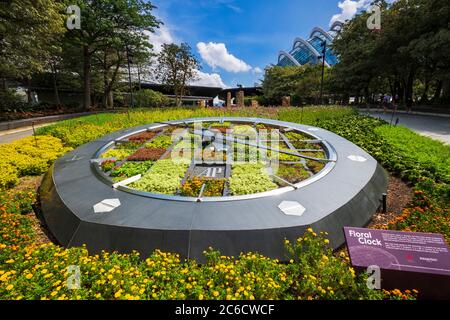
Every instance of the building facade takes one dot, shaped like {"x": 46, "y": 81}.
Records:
{"x": 310, "y": 51}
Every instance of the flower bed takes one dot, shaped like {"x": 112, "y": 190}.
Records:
{"x": 108, "y": 165}
{"x": 145, "y": 154}
{"x": 250, "y": 179}
{"x": 131, "y": 169}
{"x": 143, "y": 136}
{"x": 164, "y": 177}
{"x": 293, "y": 173}
{"x": 162, "y": 142}
{"x": 213, "y": 187}
{"x": 119, "y": 154}
{"x": 29, "y": 271}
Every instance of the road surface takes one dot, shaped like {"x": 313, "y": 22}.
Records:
{"x": 435, "y": 127}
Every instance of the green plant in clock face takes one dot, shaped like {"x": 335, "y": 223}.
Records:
{"x": 293, "y": 173}
{"x": 131, "y": 169}
{"x": 119, "y": 154}
{"x": 161, "y": 142}
{"x": 250, "y": 179}
{"x": 164, "y": 177}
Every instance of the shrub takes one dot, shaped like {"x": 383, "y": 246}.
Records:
{"x": 425, "y": 157}
{"x": 18, "y": 202}
{"x": 8, "y": 176}
{"x": 30, "y": 156}
{"x": 151, "y": 99}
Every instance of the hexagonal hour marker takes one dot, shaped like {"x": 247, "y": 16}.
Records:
{"x": 107, "y": 205}
{"x": 357, "y": 158}
{"x": 292, "y": 208}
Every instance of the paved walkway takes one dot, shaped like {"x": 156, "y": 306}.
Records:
{"x": 431, "y": 126}
{"x": 16, "y": 134}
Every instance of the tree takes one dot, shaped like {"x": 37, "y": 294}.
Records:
{"x": 301, "y": 83}
{"x": 177, "y": 66}
{"x": 107, "y": 28}
{"x": 28, "y": 30}
{"x": 409, "y": 55}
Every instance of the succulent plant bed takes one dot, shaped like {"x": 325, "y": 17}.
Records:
{"x": 247, "y": 150}
{"x": 161, "y": 142}
{"x": 213, "y": 187}
{"x": 130, "y": 169}
{"x": 293, "y": 173}
{"x": 144, "y": 136}
{"x": 145, "y": 154}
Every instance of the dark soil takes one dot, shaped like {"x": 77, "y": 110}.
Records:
{"x": 399, "y": 195}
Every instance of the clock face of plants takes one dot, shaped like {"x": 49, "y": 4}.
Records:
{"x": 200, "y": 160}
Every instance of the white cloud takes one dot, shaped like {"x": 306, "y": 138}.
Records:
{"x": 235, "y": 8}
{"x": 257, "y": 70}
{"x": 160, "y": 37}
{"x": 216, "y": 55}
{"x": 349, "y": 8}
{"x": 209, "y": 80}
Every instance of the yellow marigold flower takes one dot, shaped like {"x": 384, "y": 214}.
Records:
{"x": 326, "y": 241}
{"x": 216, "y": 293}
{"x": 310, "y": 230}
{"x": 118, "y": 294}
{"x": 200, "y": 297}
{"x": 29, "y": 276}
{"x": 10, "y": 261}
{"x": 54, "y": 293}
{"x": 9, "y": 287}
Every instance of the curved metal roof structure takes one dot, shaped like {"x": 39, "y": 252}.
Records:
{"x": 310, "y": 51}
{"x": 321, "y": 31}
{"x": 283, "y": 56}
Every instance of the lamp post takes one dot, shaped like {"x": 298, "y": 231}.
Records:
{"x": 324, "y": 52}
{"x": 129, "y": 76}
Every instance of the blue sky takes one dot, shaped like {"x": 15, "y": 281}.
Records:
{"x": 236, "y": 39}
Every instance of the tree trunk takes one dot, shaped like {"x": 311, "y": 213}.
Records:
{"x": 87, "y": 77}
{"x": 55, "y": 85}
{"x": 29, "y": 95}
{"x": 438, "y": 91}
{"x": 424, "y": 97}
{"x": 409, "y": 89}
